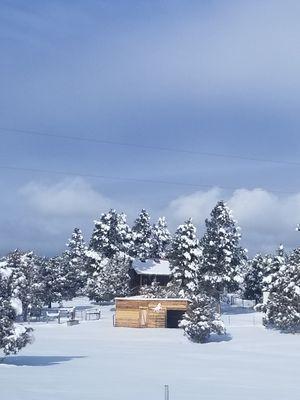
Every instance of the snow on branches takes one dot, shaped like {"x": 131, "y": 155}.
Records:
{"x": 202, "y": 319}
{"x": 223, "y": 257}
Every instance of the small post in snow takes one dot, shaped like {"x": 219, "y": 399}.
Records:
{"x": 166, "y": 392}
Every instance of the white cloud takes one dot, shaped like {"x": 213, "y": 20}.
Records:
{"x": 68, "y": 198}
{"x": 265, "y": 218}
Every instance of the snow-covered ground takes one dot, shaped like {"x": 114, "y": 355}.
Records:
{"x": 94, "y": 360}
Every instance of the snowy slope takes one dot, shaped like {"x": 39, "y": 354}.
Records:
{"x": 96, "y": 361}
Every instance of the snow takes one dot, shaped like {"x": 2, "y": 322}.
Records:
{"x": 142, "y": 297}
{"x": 94, "y": 360}
{"x": 152, "y": 267}
{"x": 16, "y": 305}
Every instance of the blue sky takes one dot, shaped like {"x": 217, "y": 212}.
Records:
{"x": 209, "y": 76}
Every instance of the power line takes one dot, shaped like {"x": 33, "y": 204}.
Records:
{"x": 143, "y": 146}
{"x": 130, "y": 179}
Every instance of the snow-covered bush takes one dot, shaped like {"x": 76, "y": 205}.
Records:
{"x": 202, "y": 319}
{"x": 13, "y": 337}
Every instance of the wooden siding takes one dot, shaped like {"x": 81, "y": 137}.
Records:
{"x": 140, "y": 313}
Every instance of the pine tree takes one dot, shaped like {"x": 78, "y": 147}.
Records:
{"x": 52, "y": 280}
{"x": 160, "y": 240}
{"x": 223, "y": 258}
{"x": 253, "y": 281}
{"x": 13, "y": 337}
{"x": 141, "y": 233}
{"x": 111, "y": 235}
{"x": 155, "y": 290}
{"x": 108, "y": 277}
{"x": 185, "y": 257}
{"x": 73, "y": 266}
{"x": 282, "y": 310}
{"x": 202, "y": 319}
{"x": 272, "y": 265}
{"x": 25, "y": 283}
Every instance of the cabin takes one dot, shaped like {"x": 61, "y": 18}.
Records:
{"x": 141, "y": 312}
{"x": 145, "y": 272}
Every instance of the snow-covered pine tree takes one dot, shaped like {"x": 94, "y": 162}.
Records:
{"x": 73, "y": 266}
{"x": 223, "y": 257}
{"x": 154, "y": 290}
{"x": 111, "y": 234}
{"x": 282, "y": 310}
{"x": 108, "y": 277}
{"x": 160, "y": 240}
{"x": 185, "y": 257}
{"x": 24, "y": 279}
{"x": 253, "y": 281}
{"x": 141, "y": 234}
{"x": 51, "y": 279}
{"x": 272, "y": 264}
{"x": 202, "y": 319}
{"x": 110, "y": 246}
{"x": 13, "y": 337}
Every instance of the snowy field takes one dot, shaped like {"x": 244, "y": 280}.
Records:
{"x": 93, "y": 361}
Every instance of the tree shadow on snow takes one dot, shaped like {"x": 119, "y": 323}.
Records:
{"x": 231, "y": 310}
{"x": 37, "y": 361}
{"x": 214, "y": 338}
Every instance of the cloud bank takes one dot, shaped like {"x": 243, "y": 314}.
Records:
{"x": 265, "y": 218}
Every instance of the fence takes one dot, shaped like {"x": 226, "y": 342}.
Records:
{"x": 64, "y": 314}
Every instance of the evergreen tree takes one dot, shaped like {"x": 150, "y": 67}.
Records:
{"x": 108, "y": 277}
{"x": 185, "y": 257}
{"x": 223, "y": 258}
{"x": 155, "y": 290}
{"x": 111, "y": 235}
{"x": 282, "y": 310}
{"x": 272, "y": 264}
{"x": 73, "y": 266}
{"x": 202, "y": 319}
{"x": 25, "y": 283}
{"x": 13, "y": 337}
{"x": 141, "y": 234}
{"x": 52, "y": 280}
{"x": 253, "y": 281}
{"x": 160, "y": 240}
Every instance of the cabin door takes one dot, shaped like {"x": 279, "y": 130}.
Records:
{"x": 143, "y": 317}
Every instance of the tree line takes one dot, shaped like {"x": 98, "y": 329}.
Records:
{"x": 202, "y": 270}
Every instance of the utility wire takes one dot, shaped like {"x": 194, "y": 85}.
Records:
{"x": 130, "y": 179}
{"x": 6, "y": 131}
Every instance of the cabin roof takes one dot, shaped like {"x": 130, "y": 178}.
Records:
{"x": 151, "y": 267}
{"x": 139, "y": 298}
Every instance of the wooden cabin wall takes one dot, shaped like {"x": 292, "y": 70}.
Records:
{"x": 128, "y": 312}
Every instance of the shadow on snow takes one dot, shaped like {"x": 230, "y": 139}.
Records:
{"x": 214, "y": 338}
{"x": 37, "y": 361}
{"x": 231, "y": 310}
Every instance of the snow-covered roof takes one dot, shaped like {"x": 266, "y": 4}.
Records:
{"x": 152, "y": 267}
{"x": 141, "y": 297}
